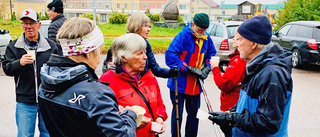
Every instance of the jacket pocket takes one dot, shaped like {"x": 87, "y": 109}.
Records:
{"x": 126, "y": 95}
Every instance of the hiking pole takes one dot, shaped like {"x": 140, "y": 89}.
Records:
{"x": 176, "y": 97}
{"x": 208, "y": 105}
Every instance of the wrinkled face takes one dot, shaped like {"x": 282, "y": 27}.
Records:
{"x": 245, "y": 48}
{"x": 94, "y": 58}
{"x": 235, "y": 40}
{"x": 137, "y": 62}
{"x": 199, "y": 31}
{"x": 145, "y": 29}
{"x": 52, "y": 14}
{"x": 30, "y": 28}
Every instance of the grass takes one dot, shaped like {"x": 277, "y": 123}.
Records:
{"x": 159, "y": 37}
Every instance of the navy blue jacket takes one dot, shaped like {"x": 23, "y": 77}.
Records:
{"x": 55, "y": 25}
{"x": 151, "y": 63}
{"x": 265, "y": 96}
{"x": 74, "y": 103}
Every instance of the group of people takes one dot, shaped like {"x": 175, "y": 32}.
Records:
{"x": 59, "y": 85}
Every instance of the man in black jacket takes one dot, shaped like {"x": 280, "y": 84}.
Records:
{"x": 55, "y": 13}
{"x": 23, "y": 59}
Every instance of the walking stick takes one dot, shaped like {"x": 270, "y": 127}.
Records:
{"x": 208, "y": 104}
{"x": 176, "y": 97}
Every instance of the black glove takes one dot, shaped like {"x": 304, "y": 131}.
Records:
{"x": 225, "y": 120}
{"x": 174, "y": 72}
{"x": 194, "y": 71}
{"x": 205, "y": 71}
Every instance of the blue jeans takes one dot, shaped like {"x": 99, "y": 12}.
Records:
{"x": 26, "y": 115}
{"x": 192, "y": 106}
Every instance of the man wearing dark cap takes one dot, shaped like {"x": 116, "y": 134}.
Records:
{"x": 265, "y": 97}
{"x": 190, "y": 51}
{"x": 23, "y": 59}
{"x": 55, "y": 12}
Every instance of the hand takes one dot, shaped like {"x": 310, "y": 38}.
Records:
{"x": 26, "y": 59}
{"x": 194, "y": 70}
{"x": 159, "y": 120}
{"x": 121, "y": 108}
{"x": 214, "y": 62}
{"x": 205, "y": 71}
{"x": 225, "y": 120}
{"x": 174, "y": 72}
{"x": 144, "y": 122}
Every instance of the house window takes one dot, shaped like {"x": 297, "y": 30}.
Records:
{"x": 77, "y": 5}
{"x": 118, "y": 5}
{"x": 125, "y": 5}
{"x": 154, "y": 5}
{"x": 133, "y": 6}
{"x": 12, "y": 5}
{"x": 70, "y": 5}
{"x": 82, "y": 5}
{"x": 107, "y": 6}
{"x": 144, "y": 6}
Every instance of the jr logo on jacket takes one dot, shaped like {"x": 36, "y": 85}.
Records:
{"x": 75, "y": 99}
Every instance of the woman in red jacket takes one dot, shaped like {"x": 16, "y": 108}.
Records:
{"x": 133, "y": 85}
{"x": 230, "y": 82}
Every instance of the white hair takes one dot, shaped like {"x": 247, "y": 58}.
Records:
{"x": 125, "y": 45}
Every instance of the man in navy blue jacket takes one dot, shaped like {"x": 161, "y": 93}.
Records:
{"x": 265, "y": 97}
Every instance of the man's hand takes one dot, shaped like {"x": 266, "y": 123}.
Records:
{"x": 205, "y": 72}
{"x": 225, "y": 120}
{"x": 194, "y": 71}
{"x": 174, "y": 72}
{"x": 26, "y": 59}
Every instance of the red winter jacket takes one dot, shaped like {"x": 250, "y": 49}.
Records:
{"x": 230, "y": 82}
{"x": 127, "y": 96}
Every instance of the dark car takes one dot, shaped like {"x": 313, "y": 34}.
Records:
{"x": 222, "y": 33}
{"x": 303, "y": 39}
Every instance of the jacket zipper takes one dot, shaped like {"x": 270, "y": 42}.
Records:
{"x": 126, "y": 95}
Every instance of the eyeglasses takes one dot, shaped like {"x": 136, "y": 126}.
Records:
{"x": 32, "y": 24}
{"x": 146, "y": 26}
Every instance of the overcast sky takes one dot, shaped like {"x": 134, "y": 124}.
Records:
{"x": 252, "y": 1}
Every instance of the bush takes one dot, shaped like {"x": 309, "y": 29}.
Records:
{"x": 180, "y": 19}
{"x": 45, "y": 17}
{"x": 89, "y": 16}
{"x": 154, "y": 18}
{"x": 118, "y": 18}
{"x": 13, "y": 16}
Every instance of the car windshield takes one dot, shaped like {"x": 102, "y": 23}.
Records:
{"x": 231, "y": 31}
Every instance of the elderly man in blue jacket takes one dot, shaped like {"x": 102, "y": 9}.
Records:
{"x": 265, "y": 97}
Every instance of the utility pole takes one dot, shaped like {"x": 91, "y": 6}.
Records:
{"x": 209, "y": 8}
{"x": 94, "y": 10}
{"x": 11, "y": 8}
{"x": 131, "y": 7}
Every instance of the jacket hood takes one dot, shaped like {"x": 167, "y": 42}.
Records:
{"x": 60, "y": 73}
{"x": 271, "y": 54}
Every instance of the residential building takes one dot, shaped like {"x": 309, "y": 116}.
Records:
{"x": 18, "y": 6}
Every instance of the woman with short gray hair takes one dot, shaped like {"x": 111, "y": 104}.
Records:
{"x": 134, "y": 85}
{"x": 140, "y": 23}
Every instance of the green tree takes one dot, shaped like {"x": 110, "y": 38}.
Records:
{"x": 89, "y": 16}
{"x": 295, "y": 10}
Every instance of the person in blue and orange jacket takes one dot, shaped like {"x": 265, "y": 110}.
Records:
{"x": 190, "y": 51}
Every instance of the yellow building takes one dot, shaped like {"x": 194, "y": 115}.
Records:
{"x": 18, "y": 6}
{"x": 125, "y": 6}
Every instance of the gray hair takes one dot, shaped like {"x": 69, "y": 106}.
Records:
{"x": 136, "y": 21}
{"x": 125, "y": 45}
{"x": 261, "y": 45}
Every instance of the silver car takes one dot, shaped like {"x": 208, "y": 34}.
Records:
{"x": 221, "y": 33}
{"x": 44, "y": 27}
{"x": 5, "y": 39}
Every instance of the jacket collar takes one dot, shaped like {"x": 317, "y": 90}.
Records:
{"x": 43, "y": 44}
{"x": 57, "y": 17}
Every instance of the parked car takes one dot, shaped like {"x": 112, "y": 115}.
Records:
{"x": 5, "y": 39}
{"x": 222, "y": 33}
{"x": 303, "y": 39}
{"x": 44, "y": 27}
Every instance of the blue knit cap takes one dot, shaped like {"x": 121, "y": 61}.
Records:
{"x": 257, "y": 29}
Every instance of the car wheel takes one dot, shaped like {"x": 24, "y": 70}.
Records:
{"x": 296, "y": 59}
